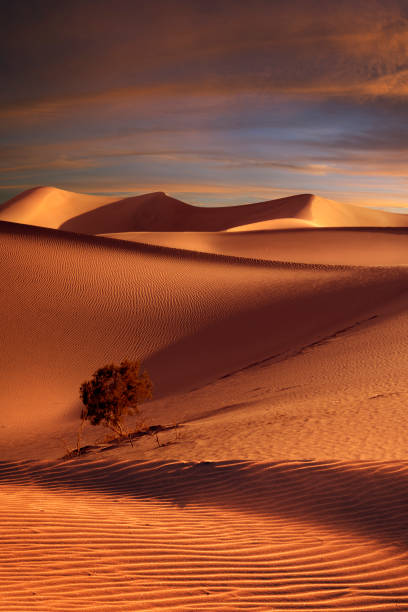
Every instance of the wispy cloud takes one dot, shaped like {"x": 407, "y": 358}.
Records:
{"x": 291, "y": 97}
{"x": 78, "y": 56}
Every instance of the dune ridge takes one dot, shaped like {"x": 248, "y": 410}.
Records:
{"x": 355, "y": 246}
{"x": 76, "y": 301}
{"x": 48, "y": 206}
{"x": 59, "y": 209}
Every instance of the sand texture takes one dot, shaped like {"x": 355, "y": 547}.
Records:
{"x": 276, "y": 335}
{"x": 103, "y": 535}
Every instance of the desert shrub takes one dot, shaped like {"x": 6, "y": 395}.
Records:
{"x": 114, "y": 392}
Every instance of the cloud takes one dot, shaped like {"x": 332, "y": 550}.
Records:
{"x": 78, "y": 55}
{"x": 316, "y": 151}
{"x": 206, "y": 95}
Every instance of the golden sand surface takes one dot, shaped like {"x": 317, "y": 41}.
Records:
{"x": 276, "y": 335}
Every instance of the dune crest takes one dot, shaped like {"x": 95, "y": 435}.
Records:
{"x": 283, "y": 223}
{"x": 298, "y": 244}
{"x": 58, "y": 209}
{"x": 48, "y": 206}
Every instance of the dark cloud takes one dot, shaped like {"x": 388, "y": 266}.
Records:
{"x": 384, "y": 140}
{"x": 75, "y": 49}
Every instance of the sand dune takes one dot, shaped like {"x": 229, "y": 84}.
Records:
{"x": 342, "y": 397}
{"x": 48, "y": 206}
{"x": 73, "y": 302}
{"x": 279, "y": 349}
{"x": 338, "y": 246}
{"x": 106, "y": 535}
{"x": 55, "y": 208}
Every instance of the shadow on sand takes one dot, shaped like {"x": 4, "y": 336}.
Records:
{"x": 367, "y": 498}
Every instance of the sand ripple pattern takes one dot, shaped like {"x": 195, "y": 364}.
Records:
{"x": 71, "y": 303}
{"x": 98, "y": 534}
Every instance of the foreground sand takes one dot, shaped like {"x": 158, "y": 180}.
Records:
{"x": 103, "y": 535}
{"x": 278, "y": 347}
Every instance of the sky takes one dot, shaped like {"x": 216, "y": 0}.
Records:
{"x": 214, "y": 102}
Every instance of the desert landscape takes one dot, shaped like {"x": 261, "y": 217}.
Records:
{"x": 204, "y": 306}
{"x": 276, "y": 337}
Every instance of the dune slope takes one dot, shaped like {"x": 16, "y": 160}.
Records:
{"x": 48, "y": 206}
{"x": 339, "y": 246}
{"x": 72, "y": 303}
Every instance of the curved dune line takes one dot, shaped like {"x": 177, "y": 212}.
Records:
{"x": 274, "y": 224}
{"x": 214, "y": 246}
{"x": 359, "y": 246}
{"x": 103, "y": 535}
{"x": 71, "y": 302}
{"x": 58, "y": 209}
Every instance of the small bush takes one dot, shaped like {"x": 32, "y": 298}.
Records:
{"x": 114, "y": 392}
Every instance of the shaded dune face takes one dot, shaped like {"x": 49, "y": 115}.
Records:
{"x": 158, "y": 212}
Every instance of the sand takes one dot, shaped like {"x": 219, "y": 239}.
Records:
{"x": 103, "y": 535}
{"x": 276, "y": 335}
{"x": 158, "y": 212}
{"x": 335, "y": 246}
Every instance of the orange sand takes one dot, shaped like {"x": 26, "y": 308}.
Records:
{"x": 277, "y": 337}
{"x": 116, "y": 535}
{"x": 158, "y": 212}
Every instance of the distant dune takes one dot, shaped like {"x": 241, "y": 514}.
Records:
{"x": 276, "y": 335}
{"x": 48, "y": 206}
{"x": 335, "y": 246}
{"x": 158, "y": 212}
